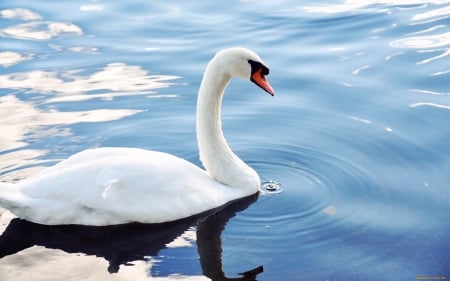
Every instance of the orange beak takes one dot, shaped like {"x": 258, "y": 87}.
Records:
{"x": 259, "y": 79}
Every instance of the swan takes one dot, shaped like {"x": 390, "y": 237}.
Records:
{"x": 117, "y": 185}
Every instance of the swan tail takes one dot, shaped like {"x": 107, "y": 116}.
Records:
{"x": 10, "y": 196}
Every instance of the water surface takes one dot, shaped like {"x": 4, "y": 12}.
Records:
{"x": 357, "y": 133}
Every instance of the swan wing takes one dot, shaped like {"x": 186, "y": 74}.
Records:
{"x": 118, "y": 185}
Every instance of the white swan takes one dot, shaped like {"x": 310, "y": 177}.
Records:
{"x": 106, "y": 186}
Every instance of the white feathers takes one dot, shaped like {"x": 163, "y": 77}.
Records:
{"x": 114, "y": 183}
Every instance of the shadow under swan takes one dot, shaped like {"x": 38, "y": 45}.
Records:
{"x": 123, "y": 244}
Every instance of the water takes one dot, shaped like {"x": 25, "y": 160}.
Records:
{"x": 357, "y": 134}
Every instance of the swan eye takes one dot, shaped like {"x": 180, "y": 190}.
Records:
{"x": 258, "y": 66}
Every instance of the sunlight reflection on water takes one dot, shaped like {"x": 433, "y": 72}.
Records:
{"x": 25, "y": 119}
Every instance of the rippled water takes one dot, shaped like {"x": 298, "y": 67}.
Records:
{"x": 357, "y": 134}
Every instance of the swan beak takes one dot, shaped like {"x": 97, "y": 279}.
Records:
{"x": 259, "y": 79}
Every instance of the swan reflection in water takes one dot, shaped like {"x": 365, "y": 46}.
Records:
{"x": 123, "y": 244}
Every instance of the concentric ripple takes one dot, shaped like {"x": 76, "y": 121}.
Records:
{"x": 321, "y": 191}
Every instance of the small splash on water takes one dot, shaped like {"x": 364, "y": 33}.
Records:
{"x": 272, "y": 187}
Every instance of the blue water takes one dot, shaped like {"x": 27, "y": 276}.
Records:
{"x": 357, "y": 133}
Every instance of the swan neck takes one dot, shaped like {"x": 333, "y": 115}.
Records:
{"x": 215, "y": 154}
{"x": 210, "y": 137}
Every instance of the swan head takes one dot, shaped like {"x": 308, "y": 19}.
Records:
{"x": 244, "y": 63}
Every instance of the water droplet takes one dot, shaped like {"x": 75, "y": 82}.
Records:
{"x": 272, "y": 187}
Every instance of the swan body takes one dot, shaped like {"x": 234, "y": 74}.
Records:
{"x": 106, "y": 186}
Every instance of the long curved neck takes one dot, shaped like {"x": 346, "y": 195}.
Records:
{"x": 219, "y": 161}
